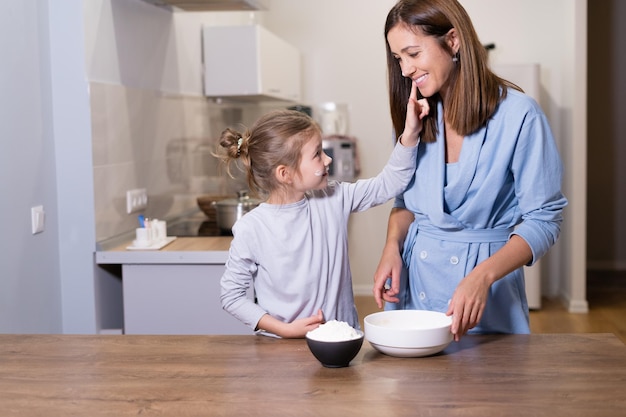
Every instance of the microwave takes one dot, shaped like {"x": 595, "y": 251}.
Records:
{"x": 343, "y": 152}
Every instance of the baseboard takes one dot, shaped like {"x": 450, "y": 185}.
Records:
{"x": 575, "y": 306}
{"x": 363, "y": 290}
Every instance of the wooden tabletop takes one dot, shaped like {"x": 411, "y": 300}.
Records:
{"x": 513, "y": 375}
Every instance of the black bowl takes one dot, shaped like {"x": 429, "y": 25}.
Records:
{"x": 335, "y": 354}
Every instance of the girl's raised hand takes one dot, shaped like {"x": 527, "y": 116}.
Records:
{"x": 416, "y": 110}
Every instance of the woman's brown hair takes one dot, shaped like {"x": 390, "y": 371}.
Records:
{"x": 275, "y": 139}
{"x": 474, "y": 90}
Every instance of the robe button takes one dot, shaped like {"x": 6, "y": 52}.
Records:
{"x": 454, "y": 260}
{"x": 422, "y": 295}
{"x": 423, "y": 254}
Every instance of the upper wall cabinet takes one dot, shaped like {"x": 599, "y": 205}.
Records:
{"x": 211, "y": 5}
{"x": 251, "y": 63}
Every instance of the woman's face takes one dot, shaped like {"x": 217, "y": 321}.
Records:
{"x": 422, "y": 59}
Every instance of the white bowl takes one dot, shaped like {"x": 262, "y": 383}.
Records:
{"x": 408, "y": 333}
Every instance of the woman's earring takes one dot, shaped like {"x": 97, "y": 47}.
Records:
{"x": 456, "y": 57}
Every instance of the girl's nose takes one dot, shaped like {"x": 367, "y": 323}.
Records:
{"x": 327, "y": 159}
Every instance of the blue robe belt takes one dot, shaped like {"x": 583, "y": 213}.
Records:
{"x": 463, "y": 235}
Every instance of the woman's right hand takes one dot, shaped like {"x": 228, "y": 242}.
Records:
{"x": 390, "y": 265}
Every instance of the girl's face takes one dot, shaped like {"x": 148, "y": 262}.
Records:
{"x": 314, "y": 163}
{"x": 422, "y": 59}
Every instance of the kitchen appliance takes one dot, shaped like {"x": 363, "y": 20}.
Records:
{"x": 342, "y": 149}
{"x": 333, "y": 118}
{"x": 195, "y": 225}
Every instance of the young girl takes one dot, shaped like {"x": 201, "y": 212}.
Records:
{"x": 293, "y": 248}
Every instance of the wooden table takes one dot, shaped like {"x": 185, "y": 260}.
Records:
{"x": 514, "y": 375}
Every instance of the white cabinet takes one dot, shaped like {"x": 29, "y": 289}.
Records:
{"x": 176, "y": 299}
{"x": 211, "y": 5}
{"x": 249, "y": 62}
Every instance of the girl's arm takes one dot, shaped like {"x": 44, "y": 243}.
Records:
{"x": 296, "y": 329}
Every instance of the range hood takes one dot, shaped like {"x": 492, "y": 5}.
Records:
{"x": 211, "y": 5}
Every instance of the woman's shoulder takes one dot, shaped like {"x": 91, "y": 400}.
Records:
{"x": 518, "y": 100}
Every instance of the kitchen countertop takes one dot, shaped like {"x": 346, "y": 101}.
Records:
{"x": 183, "y": 250}
{"x": 499, "y": 375}
{"x": 194, "y": 247}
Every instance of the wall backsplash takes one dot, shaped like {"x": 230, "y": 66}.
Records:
{"x": 146, "y": 139}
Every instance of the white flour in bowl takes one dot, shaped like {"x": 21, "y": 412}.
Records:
{"x": 333, "y": 331}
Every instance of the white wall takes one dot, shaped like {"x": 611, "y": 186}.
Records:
{"x": 343, "y": 47}
{"x": 46, "y": 280}
{"x": 25, "y": 161}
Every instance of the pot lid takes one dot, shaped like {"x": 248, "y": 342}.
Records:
{"x": 243, "y": 199}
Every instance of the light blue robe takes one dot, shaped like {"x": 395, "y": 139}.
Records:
{"x": 507, "y": 181}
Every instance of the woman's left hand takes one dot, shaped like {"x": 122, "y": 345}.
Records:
{"x": 468, "y": 304}
{"x": 470, "y": 297}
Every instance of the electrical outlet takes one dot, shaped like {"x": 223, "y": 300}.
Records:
{"x": 37, "y": 219}
{"x": 136, "y": 200}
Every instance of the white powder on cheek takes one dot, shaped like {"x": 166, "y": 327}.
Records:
{"x": 333, "y": 331}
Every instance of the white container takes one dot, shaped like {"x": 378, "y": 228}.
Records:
{"x": 143, "y": 237}
{"x": 249, "y": 62}
{"x": 408, "y": 333}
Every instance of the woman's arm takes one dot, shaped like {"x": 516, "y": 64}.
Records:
{"x": 390, "y": 264}
{"x": 470, "y": 297}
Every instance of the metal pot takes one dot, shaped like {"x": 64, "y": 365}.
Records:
{"x": 230, "y": 210}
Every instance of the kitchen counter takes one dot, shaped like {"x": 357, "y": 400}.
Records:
{"x": 511, "y": 375}
{"x": 174, "y": 290}
{"x": 183, "y": 250}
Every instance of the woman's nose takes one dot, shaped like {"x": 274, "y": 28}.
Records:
{"x": 406, "y": 69}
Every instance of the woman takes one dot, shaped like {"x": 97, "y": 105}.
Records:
{"x": 486, "y": 197}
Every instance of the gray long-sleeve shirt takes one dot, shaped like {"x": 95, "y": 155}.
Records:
{"x": 296, "y": 255}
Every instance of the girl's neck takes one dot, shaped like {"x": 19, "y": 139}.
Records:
{"x": 282, "y": 197}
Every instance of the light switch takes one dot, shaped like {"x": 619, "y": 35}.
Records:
{"x": 37, "y": 217}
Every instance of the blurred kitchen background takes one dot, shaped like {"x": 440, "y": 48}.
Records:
{"x": 105, "y": 96}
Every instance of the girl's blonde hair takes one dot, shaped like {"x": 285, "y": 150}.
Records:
{"x": 275, "y": 139}
{"x": 475, "y": 90}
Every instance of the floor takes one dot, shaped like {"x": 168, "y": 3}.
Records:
{"x": 606, "y": 295}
